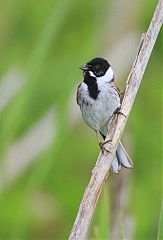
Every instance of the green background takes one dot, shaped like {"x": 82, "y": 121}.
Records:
{"x": 45, "y": 42}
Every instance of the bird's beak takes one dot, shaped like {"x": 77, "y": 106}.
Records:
{"x": 84, "y": 67}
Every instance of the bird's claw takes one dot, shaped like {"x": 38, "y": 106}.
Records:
{"x": 117, "y": 111}
{"x": 103, "y": 148}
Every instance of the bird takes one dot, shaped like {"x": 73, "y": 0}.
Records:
{"x": 99, "y": 99}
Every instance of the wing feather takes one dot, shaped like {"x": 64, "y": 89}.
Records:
{"x": 78, "y": 94}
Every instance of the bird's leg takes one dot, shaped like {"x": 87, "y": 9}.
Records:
{"x": 98, "y": 137}
{"x": 102, "y": 144}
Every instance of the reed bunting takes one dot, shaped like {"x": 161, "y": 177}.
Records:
{"x": 99, "y": 98}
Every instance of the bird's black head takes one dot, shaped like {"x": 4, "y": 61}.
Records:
{"x": 98, "y": 66}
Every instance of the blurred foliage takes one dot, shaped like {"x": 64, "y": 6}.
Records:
{"x": 47, "y": 41}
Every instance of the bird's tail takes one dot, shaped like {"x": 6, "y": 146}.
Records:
{"x": 120, "y": 160}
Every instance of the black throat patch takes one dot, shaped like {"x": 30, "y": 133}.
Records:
{"x": 92, "y": 85}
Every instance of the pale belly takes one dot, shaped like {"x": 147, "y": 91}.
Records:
{"x": 94, "y": 115}
{"x": 98, "y": 113}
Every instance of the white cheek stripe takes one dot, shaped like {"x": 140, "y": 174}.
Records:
{"x": 92, "y": 74}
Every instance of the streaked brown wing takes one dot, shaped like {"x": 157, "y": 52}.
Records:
{"x": 78, "y": 94}
{"x": 116, "y": 88}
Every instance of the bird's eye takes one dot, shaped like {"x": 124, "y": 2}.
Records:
{"x": 96, "y": 67}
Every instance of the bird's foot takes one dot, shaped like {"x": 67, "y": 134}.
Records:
{"x": 117, "y": 111}
{"x": 103, "y": 148}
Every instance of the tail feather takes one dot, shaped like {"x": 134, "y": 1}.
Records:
{"x": 121, "y": 159}
{"x": 115, "y": 165}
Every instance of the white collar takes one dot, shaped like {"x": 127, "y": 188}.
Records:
{"x": 109, "y": 75}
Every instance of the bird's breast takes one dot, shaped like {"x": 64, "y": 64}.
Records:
{"x": 97, "y": 112}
